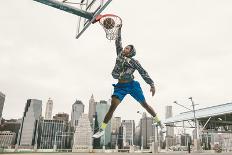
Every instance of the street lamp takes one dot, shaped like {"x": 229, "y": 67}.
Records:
{"x": 195, "y": 120}
{"x": 194, "y": 115}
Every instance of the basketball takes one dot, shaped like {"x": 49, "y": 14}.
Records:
{"x": 109, "y": 23}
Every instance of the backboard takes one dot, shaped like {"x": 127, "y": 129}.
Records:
{"x": 86, "y": 10}
{"x": 92, "y": 6}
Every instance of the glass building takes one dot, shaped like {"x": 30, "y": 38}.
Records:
{"x": 28, "y": 132}
{"x": 53, "y": 134}
{"x": 101, "y": 109}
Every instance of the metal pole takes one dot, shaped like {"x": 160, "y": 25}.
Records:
{"x": 132, "y": 134}
{"x": 146, "y": 130}
{"x": 116, "y": 140}
{"x": 195, "y": 120}
{"x": 142, "y": 143}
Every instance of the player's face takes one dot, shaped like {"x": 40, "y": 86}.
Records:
{"x": 126, "y": 51}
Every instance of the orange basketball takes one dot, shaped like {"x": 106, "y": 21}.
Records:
{"x": 109, "y": 23}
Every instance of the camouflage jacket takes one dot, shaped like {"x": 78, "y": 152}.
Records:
{"x": 125, "y": 66}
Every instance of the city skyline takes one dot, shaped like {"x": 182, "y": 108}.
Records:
{"x": 186, "y": 52}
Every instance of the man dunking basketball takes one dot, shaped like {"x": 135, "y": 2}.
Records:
{"x": 123, "y": 71}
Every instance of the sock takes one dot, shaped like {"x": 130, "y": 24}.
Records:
{"x": 156, "y": 119}
{"x": 103, "y": 125}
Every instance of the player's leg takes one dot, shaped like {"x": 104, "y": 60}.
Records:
{"x": 114, "y": 103}
{"x": 151, "y": 111}
{"x": 137, "y": 93}
{"x": 117, "y": 97}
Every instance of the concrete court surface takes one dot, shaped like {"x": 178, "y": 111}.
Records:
{"x": 163, "y": 153}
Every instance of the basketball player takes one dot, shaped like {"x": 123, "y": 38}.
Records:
{"x": 123, "y": 72}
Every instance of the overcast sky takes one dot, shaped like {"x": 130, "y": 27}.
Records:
{"x": 185, "y": 46}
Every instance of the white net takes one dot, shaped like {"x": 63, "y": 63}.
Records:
{"x": 111, "y": 24}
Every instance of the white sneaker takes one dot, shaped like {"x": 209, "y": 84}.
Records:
{"x": 99, "y": 134}
{"x": 159, "y": 123}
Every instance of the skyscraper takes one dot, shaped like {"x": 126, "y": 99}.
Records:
{"x": 28, "y": 132}
{"x": 116, "y": 123}
{"x": 53, "y": 133}
{"x": 170, "y": 129}
{"x": 61, "y": 116}
{"x": 48, "y": 111}
{"x": 92, "y": 109}
{"x": 7, "y": 139}
{"x": 101, "y": 109}
{"x": 83, "y": 134}
{"x": 2, "y": 100}
{"x": 12, "y": 125}
{"x": 128, "y": 132}
{"x": 147, "y": 131}
{"x": 77, "y": 110}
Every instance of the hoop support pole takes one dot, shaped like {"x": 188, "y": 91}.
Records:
{"x": 67, "y": 8}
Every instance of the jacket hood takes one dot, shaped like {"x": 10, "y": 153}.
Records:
{"x": 133, "y": 51}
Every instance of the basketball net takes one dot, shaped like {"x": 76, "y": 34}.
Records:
{"x": 110, "y": 28}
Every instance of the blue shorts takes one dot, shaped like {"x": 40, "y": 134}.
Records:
{"x": 133, "y": 88}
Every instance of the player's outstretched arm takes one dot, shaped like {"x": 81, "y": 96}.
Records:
{"x": 145, "y": 76}
{"x": 118, "y": 40}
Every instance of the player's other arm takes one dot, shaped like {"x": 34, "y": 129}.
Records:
{"x": 145, "y": 76}
{"x": 118, "y": 41}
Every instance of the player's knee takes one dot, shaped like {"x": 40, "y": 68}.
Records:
{"x": 115, "y": 100}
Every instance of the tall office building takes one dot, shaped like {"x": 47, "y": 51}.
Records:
{"x": 77, "y": 110}
{"x": 170, "y": 130}
{"x": 28, "y": 132}
{"x": 147, "y": 131}
{"x": 102, "y": 108}
{"x": 92, "y": 109}
{"x": 2, "y": 100}
{"x": 48, "y": 111}
{"x": 137, "y": 136}
{"x": 116, "y": 123}
{"x": 53, "y": 134}
{"x": 7, "y": 139}
{"x": 128, "y": 132}
{"x": 83, "y": 134}
{"x": 62, "y": 117}
{"x": 12, "y": 125}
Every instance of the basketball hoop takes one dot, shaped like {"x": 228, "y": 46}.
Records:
{"x": 110, "y": 23}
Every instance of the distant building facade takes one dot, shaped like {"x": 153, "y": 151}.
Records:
{"x": 92, "y": 109}
{"x": 7, "y": 139}
{"x": 2, "y": 100}
{"x": 115, "y": 127}
{"x": 77, "y": 111}
{"x": 62, "y": 117}
{"x": 116, "y": 123}
{"x": 102, "y": 108}
{"x": 48, "y": 111}
{"x": 12, "y": 125}
{"x": 170, "y": 141}
{"x": 53, "y": 134}
{"x": 83, "y": 134}
{"x": 28, "y": 133}
{"x": 147, "y": 131}
{"x": 128, "y": 132}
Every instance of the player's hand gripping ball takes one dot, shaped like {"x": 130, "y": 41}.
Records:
{"x": 109, "y": 23}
